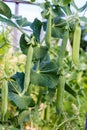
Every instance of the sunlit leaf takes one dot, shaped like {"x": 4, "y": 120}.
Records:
{"x": 8, "y": 21}
{"x": 5, "y": 10}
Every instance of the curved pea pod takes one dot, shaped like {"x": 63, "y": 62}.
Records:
{"x": 48, "y": 31}
{"x": 76, "y": 45}
{"x": 28, "y": 68}
{"x": 60, "y": 94}
{"x": 4, "y": 99}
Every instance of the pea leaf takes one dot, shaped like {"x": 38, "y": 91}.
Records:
{"x": 16, "y": 84}
{"x": 39, "y": 52}
{"x": 22, "y": 102}
{"x": 15, "y": 88}
{"x": 83, "y": 8}
{"x": 5, "y": 10}
{"x": 57, "y": 32}
{"x": 24, "y": 116}
{"x": 57, "y": 11}
{"x": 48, "y": 67}
{"x": 23, "y": 22}
{"x": 36, "y": 27}
{"x": 60, "y": 22}
{"x": 8, "y": 21}
{"x": 44, "y": 80}
{"x": 23, "y": 44}
{"x": 4, "y": 45}
{"x": 64, "y": 2}
{"x": 46, "y": 75}
{"x": 84, "y": 19}
{"x": 61, "y": 2}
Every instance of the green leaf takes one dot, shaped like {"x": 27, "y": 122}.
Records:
{"x": 84, "y": 19}
{"x": 44, "y": 80}
{"x": 23, "y": 44}
{"x": 16, "y": 84}
{"x": 4, "y": 44}
{"x": 22, "y": 102}
{"x": 8, "y": 21}
{"x": 61, "y": 2}
{"x": 39, "y": 52}
{"x": 64, "y": 2}
{"x": 57, "y": 32}
{"x": 23, "y": 22}
{"x": 48, "y": 67}
{"x": 5, "y": 10}
{"x": 36, "y": 27}
{"x": 57, "y": 11}
{"x": 83, "y": 8}
{"x": 59, "y": 22}
{"x": 23, "y": 117}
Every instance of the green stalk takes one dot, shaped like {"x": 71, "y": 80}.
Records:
{"x": 28, "y": 68}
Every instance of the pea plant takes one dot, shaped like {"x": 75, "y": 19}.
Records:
{"x": 51, "y": 93}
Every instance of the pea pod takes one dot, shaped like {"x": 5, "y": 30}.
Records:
{"x": 60, "y": 94}
{"x": 63, "y": 48}
{"x": 43, "y": 114}
{"x": 48, "y": 31}
{"x": 48, "y": 112}
{"x": 76, "y": 45}
{"x": 28, "y": 68}
{"x": 4, "y": 99}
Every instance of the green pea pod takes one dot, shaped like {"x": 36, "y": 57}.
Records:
{"x": 60, "y": 94}
{"x": 48, "y": 112}
{"x": 76, "y": 45}
{"x": 28, "y": 68}
{"x": 4, "y": 99}
{"x": 43, "y": 114}
{"x": 63, "y": 48}
{"x": 48, "y": 31}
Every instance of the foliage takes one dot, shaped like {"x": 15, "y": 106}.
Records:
{"x": 51, "y": 92}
